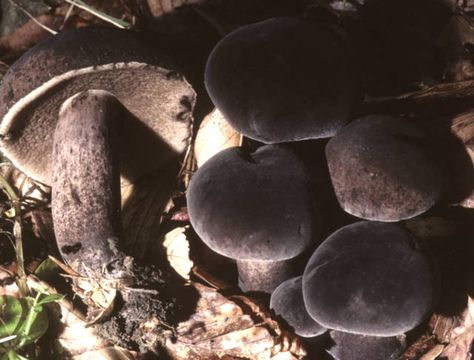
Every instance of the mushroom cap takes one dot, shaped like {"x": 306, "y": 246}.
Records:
{"x": 119, "y": 61}
{"x": 283, "y": 79}
{"x": 253, "y": 206}
{"x": 287, "y": 302}
{"x": 359, "y": 347}
{"x": 369, "y": 278}
{"x": 382, "y": 169}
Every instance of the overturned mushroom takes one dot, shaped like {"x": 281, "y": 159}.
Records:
{"x": 382, "y": 168}
{"x": 124, "y": 112}
{"x": 283, "y": 79}
{"x": 287, "y": 302}
{"x": 255, "y": 208}
{"x": 369, "y": 278}
{"x": 154, "y": 103}
{"x": 122, "y": 62}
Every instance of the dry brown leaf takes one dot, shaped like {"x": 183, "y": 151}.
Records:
{"x": 9, "y": 286}
{"x": 108, "y": 353}
{"x": 433, "y": 353}
{"x": 28, "y": 34}
{"x": 143, "y": 205}
{"x": 462, "y": 126}
{"x": 459, "y": 332}
{"x": 460, "y": 348}
{"x": 177, "y": 251}
{"x": 29, "y": 190}
{"x": 453, "y": 40}
{"x": 220, "y": 327}
{"x": 76, "y": 338}
{"x": 161, "y": 7}
{"x": 214, "y": 134}
{"x": 463, "y": 336}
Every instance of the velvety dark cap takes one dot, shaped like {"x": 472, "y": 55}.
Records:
{"x": 283, "y": 79}
{"x": 369, "y": 278}
{"x": 287, "y": 301}
{"x": 383, "y": 168}
{"x": 252, "y": 206}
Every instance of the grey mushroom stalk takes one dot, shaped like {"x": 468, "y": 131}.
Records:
{"x": 86, "y": 181}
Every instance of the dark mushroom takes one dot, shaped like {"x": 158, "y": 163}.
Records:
{"x": 287, "y": 301}
{"x": 141, "y": 115}
{"x": 283, "y": 79}
{"x": 369, "y": 278}
{"x": 359, "y": 347}
{"x": 122, "y": 62}
{"x": 382, "y": 169}
{"x": 255, "y": 208}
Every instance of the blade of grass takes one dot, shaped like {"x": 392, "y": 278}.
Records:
{"x": 44, "y": 27}
{"x": 17, "y": 233}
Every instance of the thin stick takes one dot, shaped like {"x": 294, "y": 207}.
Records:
{"x": 44, "y": 27}
{"x": 82, "y": 5}
{"x": 68, "y": 14}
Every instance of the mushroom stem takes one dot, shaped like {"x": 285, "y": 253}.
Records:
{"x": 264, "y": 276}
{"x": 86, "y": 181}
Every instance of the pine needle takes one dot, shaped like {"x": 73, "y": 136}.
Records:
{"x": 114, "y": 21}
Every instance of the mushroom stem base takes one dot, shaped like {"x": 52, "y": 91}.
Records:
{"x": 264, "y": 276}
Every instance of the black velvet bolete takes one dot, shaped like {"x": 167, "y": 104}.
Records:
{"x": 255, "y": 208}
{"x": 361, "y": 347}
{"x": 125, "y": 111}
{"x": 382, "y": 169}
{"x": 369, "y": 278}
{"x": 283, "y": 79}
{"x": 287, "y": 301}
{"x": 146, "y": 81}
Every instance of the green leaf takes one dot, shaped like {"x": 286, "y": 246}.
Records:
{"x": 10, "y": 213}
{"x": 9, "y": 355}
{"x": 49, "y": 299}
{"x": 12, "y": 314}
{"x": 47, "y": 270}
{"x": 35, "y": 325}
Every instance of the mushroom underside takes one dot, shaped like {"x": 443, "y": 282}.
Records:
{"x": 157, "y": 130}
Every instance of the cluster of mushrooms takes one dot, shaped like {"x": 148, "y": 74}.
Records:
{"x": 284, "y": 80}
{"x": 91, "y": 108}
